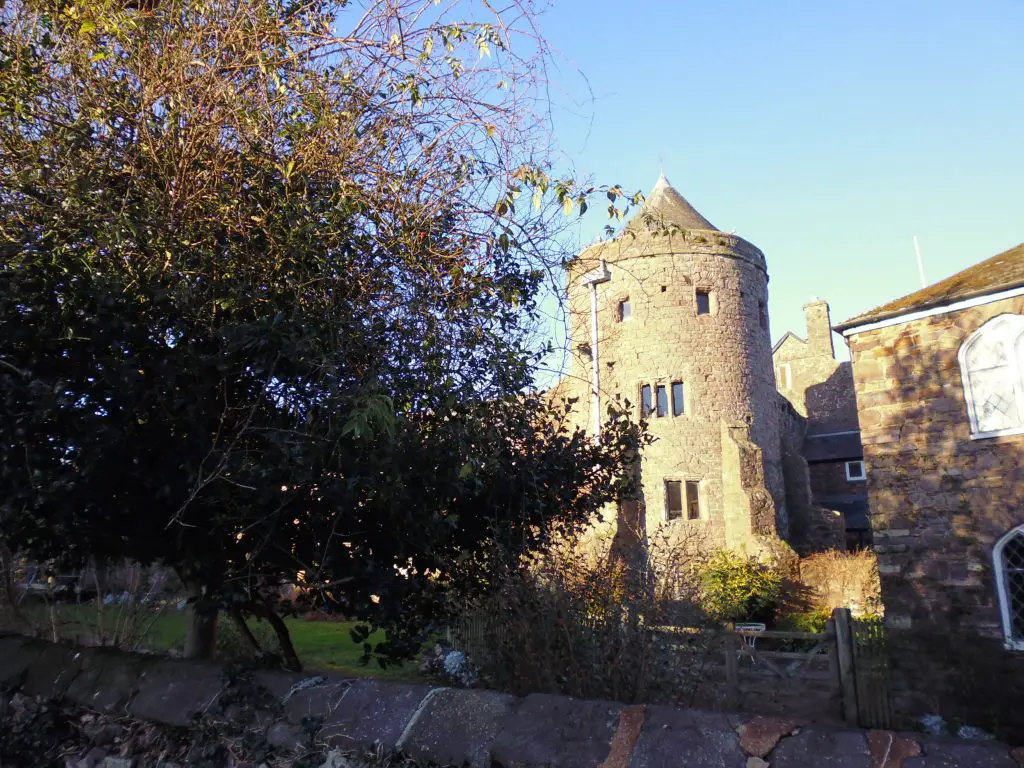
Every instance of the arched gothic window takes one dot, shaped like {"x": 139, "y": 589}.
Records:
{"x": 992, "y": 366}
{"x": 1008, "y": 561}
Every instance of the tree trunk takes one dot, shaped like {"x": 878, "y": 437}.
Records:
{"x": 250, "y": 638}
{"x": 201, "y": 641}
{"x": 284, "y": 639}
{"x": 7, "y": 569}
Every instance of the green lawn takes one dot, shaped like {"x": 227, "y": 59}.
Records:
{"x": 321, "y": 645}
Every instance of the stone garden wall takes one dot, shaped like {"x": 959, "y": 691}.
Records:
{"x": 455, "y": 727}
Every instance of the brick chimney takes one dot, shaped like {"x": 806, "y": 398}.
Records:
{"x": 819, "y": 329}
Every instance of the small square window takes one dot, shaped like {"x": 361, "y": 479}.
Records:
{"x": 678, "y": 403}
{"x": 662, "y": 400}
{"x": 855, "y": 471}
{"x": 664, "y": 288}
{"x": 645, "y": 401}
{"x": 692, "y": 500}
{"x": 625, "y": 310}
{"x": 703, "y": 303}
{"x": 673, "y": 499}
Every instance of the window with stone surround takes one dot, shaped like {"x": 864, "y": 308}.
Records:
{"x": 703, "y": 302}
{"x": 784, "y": 376}
{"x": 1008, "y": 561}
{"x": 682, "y": 499}
{"x": 662, "y": 400}
{"x": 992, "y": 368}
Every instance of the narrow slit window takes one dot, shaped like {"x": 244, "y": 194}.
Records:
{"x": 692, "y": 500}
{"x": 662, "y": 400}
{"x": 678, "y": 404}
{"x": 625, "y": 310}
{"x": 762, "y": 315}
{"x": 673, "y": 499}
{"x": 645, "y": 401}
{"x": 784, "y": 376}
{"x": 703, "y": 303}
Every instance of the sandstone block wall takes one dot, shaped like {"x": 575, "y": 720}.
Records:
{"x": 723, "y": 359}
{"x": 939, "y": 500}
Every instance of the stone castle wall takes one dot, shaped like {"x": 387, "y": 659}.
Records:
{"x": 722, "y": 358}
{"x": 819, "y": 386}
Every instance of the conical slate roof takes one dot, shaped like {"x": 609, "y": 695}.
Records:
{"x": 665, "y": 204}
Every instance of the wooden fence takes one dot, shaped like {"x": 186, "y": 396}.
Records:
{"x": 839, "y": 675}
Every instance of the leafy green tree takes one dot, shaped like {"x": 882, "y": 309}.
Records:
{"x": 267, "y": 292}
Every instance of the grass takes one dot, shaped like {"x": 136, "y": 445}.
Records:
{"x": 320, "y": 645}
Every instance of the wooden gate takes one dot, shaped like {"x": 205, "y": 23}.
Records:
{"x": 846, "y": 665}
{"x": 871, "y": 668}
{"x": 787, "y": 672}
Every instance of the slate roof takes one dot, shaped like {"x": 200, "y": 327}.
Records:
{"x": 832, "y": 447}
{"x": 999, "y": 273}
{"x": 665, "y": 204}
{"x": 780, "y": 342}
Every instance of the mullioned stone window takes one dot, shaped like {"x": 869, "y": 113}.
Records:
{"x": 662, "y": 400}
{"x": 682, "y": 499}
{"x": 992, "y": 368}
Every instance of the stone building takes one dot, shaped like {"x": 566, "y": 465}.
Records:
{"x": 939, "y": 376}
{"x": 679, "y": 313}
{"x": 820, "y": 390}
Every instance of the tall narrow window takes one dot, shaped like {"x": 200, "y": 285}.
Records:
{"x": 677, "y": 398}
{"x": 662, "y": 400}
{"x": 673, "y": 499}
{"x": 762, "y": 315}
{"x": 784, "y": 376}
{"x": 645, "y": 401}
{"x": 703, "y": 303}
{"x": 692, "y": 500}
{"x": 1008, "y": 558}
{"x": 625, "y": 310}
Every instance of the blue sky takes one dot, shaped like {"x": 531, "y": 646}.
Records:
{"x": 827, "y": 133}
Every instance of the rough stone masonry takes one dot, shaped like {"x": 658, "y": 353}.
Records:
{"x": 470, "y": 727}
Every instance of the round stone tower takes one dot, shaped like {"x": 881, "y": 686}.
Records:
{"x": 682, "y": 333}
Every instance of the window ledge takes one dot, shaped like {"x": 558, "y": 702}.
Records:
{"x": 997, "y": 433}
{"x": 1013, "y": 645}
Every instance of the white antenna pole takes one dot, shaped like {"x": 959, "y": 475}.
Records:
{"x": 920, "y": 263}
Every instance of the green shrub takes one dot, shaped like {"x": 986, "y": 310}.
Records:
{"x": 807, "y": 621}
{"x": 737, "y": 587}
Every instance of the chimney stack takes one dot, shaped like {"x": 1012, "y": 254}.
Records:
{"x": 819, "y": 328}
